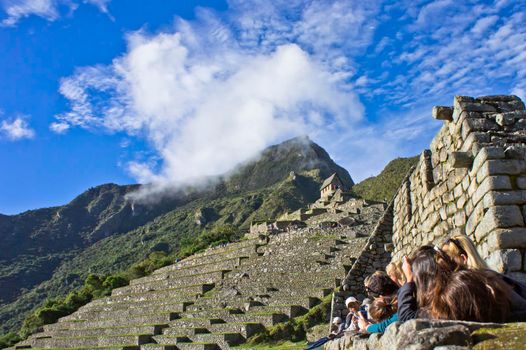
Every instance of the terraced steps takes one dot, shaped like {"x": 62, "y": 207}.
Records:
{"x": 86, "y": 332}
{"x": 170, "y": 283}
{"x": 215, "y": 299}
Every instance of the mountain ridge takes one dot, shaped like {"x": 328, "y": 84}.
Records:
{"x": 49, "y": 251}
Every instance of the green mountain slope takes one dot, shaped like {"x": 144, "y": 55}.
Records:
{"x": 48, "y": 252}
{"x": 384, "y": 186}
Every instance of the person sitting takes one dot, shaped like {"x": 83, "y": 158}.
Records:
{"x": 382, "y": 312}
{"x": 337, "y": 327}
{"x": 462, "y": 250}
{"x": 379, "y": 284}
{"x": 394, "y": 271}
{"x": 438, "y": 288}
{"x": 353, "y": 307}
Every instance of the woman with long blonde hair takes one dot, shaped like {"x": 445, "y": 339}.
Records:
{"x": 462, "y": 250}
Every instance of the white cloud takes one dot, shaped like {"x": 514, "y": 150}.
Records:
{"x": 206, "y": 106}
{"x": 484, "y": 24}
{"x": 102, "y": 5}
{"x": 59, "y": 128}
{"x": 47, "y": 9}
{"x": 17, "y": 10}
{"x": 16, "y": 129}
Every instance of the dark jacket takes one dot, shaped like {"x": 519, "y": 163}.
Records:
{"x": 518, "y": 287}
{"x": 407, "y": 305}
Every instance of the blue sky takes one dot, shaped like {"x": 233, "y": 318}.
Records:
{"x": 127, "y": 91}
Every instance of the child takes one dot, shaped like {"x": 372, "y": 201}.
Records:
{"x": 351, "y": 321}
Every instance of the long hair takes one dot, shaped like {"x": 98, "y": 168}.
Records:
{"x": 473, "y": 295}
{"x": 461, "y": 245}
{"x": 432, "y": 269}
{"x": 382, "y": 308}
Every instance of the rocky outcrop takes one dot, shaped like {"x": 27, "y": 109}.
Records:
{"x": 444, "y": 335}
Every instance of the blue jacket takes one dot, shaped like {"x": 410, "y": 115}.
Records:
{"x": 382, "y": 326}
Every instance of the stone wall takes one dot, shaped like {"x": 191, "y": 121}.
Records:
{"x": 374, "y": 256}
{"x": 471, "y": 181}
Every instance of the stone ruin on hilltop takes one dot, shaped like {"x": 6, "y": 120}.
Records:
{"x": 336, "y": 207}
{"x": 218, "y": 298}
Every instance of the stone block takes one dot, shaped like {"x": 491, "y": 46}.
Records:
{"x": 460, "y": 219}
{"x": 458, "y": 191}
{"x": 505, "y": 260}
{"x": 521, "y": 182}
{"x": 477, "y": 124}
{"x": 472, "y": 139}
{"x": 491, "y": 183}
{"x": 443, "y": 113}
{"x": 488, "y": 152}
{"x": 504, "y": 120}
{"x": 507, "y": 239}
{"x": 460, "y": 160}
{"x": 499, "y": 217}
{"x": 461, "y": 202}
{"x": 493, "y": 198}
{"x": 501, "y": 167}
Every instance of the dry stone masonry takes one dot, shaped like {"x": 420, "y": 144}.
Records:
{"x": 471, "y": 181}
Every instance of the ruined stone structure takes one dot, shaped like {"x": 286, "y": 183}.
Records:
{"x": 471, "y": 181}
{"x": 335, "y": 208}
{"x": 331, "y": 185}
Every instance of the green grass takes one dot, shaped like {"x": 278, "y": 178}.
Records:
{"x": 296, "y": 328}
{"x": 383, "y": 187}
{"x": 509, "y": 337}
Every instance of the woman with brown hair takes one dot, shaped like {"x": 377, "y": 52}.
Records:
{"x": 444, "y": 290}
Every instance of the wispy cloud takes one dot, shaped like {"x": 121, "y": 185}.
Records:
{"x": 16, "y": 129}
{"x": 47, "y": 9}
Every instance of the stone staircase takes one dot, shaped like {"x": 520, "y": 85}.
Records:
{"x": 215, "y": 299}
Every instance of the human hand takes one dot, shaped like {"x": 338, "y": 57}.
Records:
{"x": 362, "y": 324}
{"x": 406, "y": 268}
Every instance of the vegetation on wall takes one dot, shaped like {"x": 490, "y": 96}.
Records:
{"x": 296, "y": 328}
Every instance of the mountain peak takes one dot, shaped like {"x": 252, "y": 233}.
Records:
{"x": 275, "y": 163}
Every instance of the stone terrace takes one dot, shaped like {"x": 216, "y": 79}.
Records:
{"x": 217, "y": 298}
